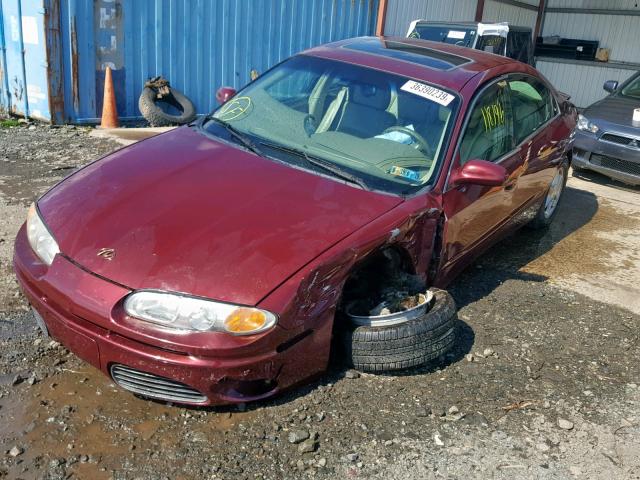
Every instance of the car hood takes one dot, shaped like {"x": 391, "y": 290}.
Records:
{"x": 185, "y": 213}
{"x": 614, "y": 112}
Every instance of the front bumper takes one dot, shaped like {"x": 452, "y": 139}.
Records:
{"x": 620, "y": 162}
{"x": 81, "y": 311}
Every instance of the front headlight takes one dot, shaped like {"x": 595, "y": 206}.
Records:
{"x": 186, "y": 313}
{"x": 586, "y": 125}
{"x": 39, "y": 237}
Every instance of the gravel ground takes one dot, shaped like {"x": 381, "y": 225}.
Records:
{"x": 544, "y": 382}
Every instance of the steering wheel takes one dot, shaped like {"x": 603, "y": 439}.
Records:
{"x": 420, "y": 143}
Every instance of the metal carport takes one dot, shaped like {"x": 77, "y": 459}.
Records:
{"x": 616, "y": 28}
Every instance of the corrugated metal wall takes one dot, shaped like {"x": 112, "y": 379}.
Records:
{"x": 502, "y": 12}
{"x": 612, "y": 4}
{"x": 400, "y": 13}
{"x": 619, "y": 33}
{"x": 198, "y": 45}
{"x": 582, "y": 82}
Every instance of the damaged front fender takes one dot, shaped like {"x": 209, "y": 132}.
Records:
{"x": 309, "y": 298}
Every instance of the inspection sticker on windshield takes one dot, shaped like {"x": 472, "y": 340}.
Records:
{"x": 428, "y": 92}
{"x": 405, "y": 173}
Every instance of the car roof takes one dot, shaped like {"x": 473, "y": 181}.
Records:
{"x": 447, "y": 65}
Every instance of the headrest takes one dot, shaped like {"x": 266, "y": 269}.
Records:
{"x": 371, "y": 95}
{"x": 414, "y": 110}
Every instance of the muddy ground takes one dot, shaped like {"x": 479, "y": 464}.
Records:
{"x": 544, "y": 382}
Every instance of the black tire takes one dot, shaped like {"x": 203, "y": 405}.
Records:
{"x": 409, "y": 344}
{"x": 147, "y": 103}
{"x": 542, "y": 220}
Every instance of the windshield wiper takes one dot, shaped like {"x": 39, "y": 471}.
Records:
{"x": 235, "y": 133}
{"x": 328, "y": 167}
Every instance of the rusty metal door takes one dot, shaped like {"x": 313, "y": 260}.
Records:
{"x": 24, "y": 62}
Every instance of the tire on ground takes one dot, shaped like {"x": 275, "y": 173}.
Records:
{"x": 151, "y": 111}
{"x": 409, "y": 344}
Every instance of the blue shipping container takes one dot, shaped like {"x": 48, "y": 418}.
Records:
{"x": 23, "y": 84}
{"x": 198, "y": 45}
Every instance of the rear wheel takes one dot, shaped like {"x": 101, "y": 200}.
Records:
{"x": 549, "y": 205}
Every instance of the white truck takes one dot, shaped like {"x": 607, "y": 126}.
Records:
{"x": 498, "y": 38}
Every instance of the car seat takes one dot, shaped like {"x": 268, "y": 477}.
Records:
{"x": 364, "y": 112}
{"x": 427, "y": 118}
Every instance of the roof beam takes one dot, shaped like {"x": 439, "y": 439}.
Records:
{"x": 542, "y": 9}
{"x": 479, "y": 10}
{"x": 516, "y": 3}
{"x": 593, "y": 11}
{"x": 382, "y": 17}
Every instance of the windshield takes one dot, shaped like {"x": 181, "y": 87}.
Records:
{"x": 462, "y": 36}
{"x": 382, "y": 131}
{"x": 492, "y": 44}
{"x": 632, "y": 89}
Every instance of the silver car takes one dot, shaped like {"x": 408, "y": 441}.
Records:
{"x": 607, "y": 136}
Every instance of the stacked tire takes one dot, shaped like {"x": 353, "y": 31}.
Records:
{"x": 149, "y": 105}
{"x": 408, "y": 344}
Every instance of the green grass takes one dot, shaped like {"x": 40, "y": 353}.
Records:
{"x": 9, "y": 122}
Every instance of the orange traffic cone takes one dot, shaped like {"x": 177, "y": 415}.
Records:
{"x": 109, "y": 111}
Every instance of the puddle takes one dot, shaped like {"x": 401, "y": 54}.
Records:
{"x": 79, "y": 415}
{"x": 594, "y": 248}
{"x": 600, "y": 259}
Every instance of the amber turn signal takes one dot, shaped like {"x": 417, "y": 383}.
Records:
{"x": 245, "y": 320}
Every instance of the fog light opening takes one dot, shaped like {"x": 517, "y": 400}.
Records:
{"x": 249, "y": 389}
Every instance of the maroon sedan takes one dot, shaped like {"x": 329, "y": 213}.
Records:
{"x": 215, "y": 263}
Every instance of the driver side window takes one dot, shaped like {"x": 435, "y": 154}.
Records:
{"x": 489, "y": 131}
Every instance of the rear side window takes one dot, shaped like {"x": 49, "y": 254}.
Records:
{"x": 489, "y": 131}
{"x": 532, "y": 105}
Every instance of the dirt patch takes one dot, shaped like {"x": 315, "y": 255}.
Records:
{"x": 32, "y": 159}
{"x": 591, "y": 250}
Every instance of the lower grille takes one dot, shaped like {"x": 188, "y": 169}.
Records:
{"x": 617, "y": 164}
{"x": 154, "y": 386}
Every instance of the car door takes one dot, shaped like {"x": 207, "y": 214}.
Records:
{"x": 534, "y": 111}
{"x": 475, "y": 213}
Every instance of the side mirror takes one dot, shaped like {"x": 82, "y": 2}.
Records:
{"x": 479, "y": 172}
{"x": 610, "y": 86}
{"x": 224, "y": 94}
